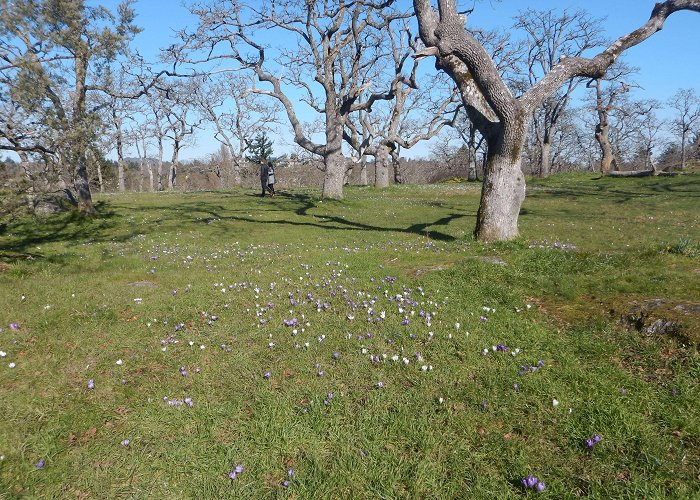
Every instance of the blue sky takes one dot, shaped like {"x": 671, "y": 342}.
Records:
{"x": 667, "y": 61}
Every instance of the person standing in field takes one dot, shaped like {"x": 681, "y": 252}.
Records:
{"x": 271, "y": 178}
{"x": 265, "y": 177}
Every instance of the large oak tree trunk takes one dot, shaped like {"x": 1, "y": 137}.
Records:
{"x": 363, "y": 172}
{"x": 81, "y": 183}
{"x": 381, "y": 167}
{"x": 503, "y": 190}
{"x": 334, "y": 160}
{"x": 335, "y": 175}
{"x": 396, "y": 165}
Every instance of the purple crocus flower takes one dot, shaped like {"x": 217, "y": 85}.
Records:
{"x": 380, "y": 385}
{"x": 267, "y": 375}
{"x": 40, "y": 464}
{"x": 238, "y": 469}
{"x": 14, "y": 326}
{"x": 91, "y": 384}
{"x": 531, "y": 481}
{"x": 126, "y": 442}
{"x": 592, "y": 441}
{"x": 336, "y": 355}
{"x": 540, "y": 486}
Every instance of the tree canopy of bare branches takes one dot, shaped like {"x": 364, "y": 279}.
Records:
{"x": 327, "y": 61}
{"x": 686, "y": 104}
{"x": 501, "y": 117}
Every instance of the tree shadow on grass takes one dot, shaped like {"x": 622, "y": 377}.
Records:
{"x": 619, "y": 189}
{"x": 21, "y": 239}
{"x": 301, "y": 204}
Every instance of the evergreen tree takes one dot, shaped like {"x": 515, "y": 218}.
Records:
{"x": 260, "y": 148}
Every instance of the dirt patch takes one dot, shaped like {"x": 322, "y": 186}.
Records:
{"x": 4, "y": 267}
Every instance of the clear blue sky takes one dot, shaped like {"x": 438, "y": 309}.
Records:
{"x": 668, "y": 61}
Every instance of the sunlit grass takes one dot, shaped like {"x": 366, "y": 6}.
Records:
{"x": 417, "y": 362}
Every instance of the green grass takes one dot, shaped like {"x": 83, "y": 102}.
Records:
{"x": 144, "y": 280}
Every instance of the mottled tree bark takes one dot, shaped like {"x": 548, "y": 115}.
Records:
{"x": 334, "y": 160}
{"x": 381, "y": 166}
{"x": 503, "y": 189}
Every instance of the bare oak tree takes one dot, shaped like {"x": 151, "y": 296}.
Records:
{"x": 687, "y": 106}
{"x": 326, "y": 54}
{"x": 647, "y": 131}
{"x": 609, "y": 90}
{"x": 237, "y": 114}
{"x": 421, "y": 107}
{"x": 550, "y": 38}
{"x": 502, "y": 118}
{"x": 181, "y": 116}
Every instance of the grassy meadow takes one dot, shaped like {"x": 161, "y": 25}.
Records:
{"x": 221, "y": 345}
